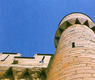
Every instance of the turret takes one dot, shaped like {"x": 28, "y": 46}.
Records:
{"x": 75, "y": 49}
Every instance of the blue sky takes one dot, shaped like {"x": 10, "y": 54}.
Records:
{"x": 29, "y": 26}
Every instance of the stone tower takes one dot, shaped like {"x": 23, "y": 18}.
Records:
{"x": 75, "y": 49}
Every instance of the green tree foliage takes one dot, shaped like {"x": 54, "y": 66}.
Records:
{"x": 9, "y": 74}
{"x": 15, "y": 62}
{"x": 42, "y": 74}
{"x": 26, "y": 75}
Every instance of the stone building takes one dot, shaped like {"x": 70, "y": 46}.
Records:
{"x": 74, "y": 58}
{"x": 75, "y": 49}
{"x": 15, "y": 67}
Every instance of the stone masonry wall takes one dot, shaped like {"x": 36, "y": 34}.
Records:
{"x": 75, "y": 55}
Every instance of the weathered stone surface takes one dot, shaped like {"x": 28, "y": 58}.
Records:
{"x": 75, "y": 54}
{"x": 15, "y": 67}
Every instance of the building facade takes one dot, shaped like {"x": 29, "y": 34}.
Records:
{"x": 15, "y": 67}
{"x": 75, "y": 49}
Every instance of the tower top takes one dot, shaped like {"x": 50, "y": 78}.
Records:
{"x": 71, "y": 19}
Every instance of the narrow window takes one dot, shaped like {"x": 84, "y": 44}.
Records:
{"x": 5, "y": 58}
{"x": 73, "y": 44}
{"x": 42, "y": 61}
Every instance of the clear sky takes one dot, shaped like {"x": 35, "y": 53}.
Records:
{"x": 29, "y": 26}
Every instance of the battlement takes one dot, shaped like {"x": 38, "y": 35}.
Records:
{"x": 19, "y": 66}
{"x": 15, "y": 59}
{"x": 71, "y": 19}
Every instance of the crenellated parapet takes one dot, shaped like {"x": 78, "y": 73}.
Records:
{"x": 71, "y": 19}
{"x": 15, "y": 67}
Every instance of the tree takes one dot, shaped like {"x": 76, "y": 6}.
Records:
{"x": 26, "y": 75}
{"x": 42, "y": 74}
{"x": 15, "y": 62}
{"x": 9, "y": 74}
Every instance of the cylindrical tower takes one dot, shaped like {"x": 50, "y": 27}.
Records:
{"x": 75, "y": 49}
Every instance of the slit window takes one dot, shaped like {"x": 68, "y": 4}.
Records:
{"x": 42, "y": 61}
{"x": 73, "y": 44}
{"x": 5, "y": 58}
